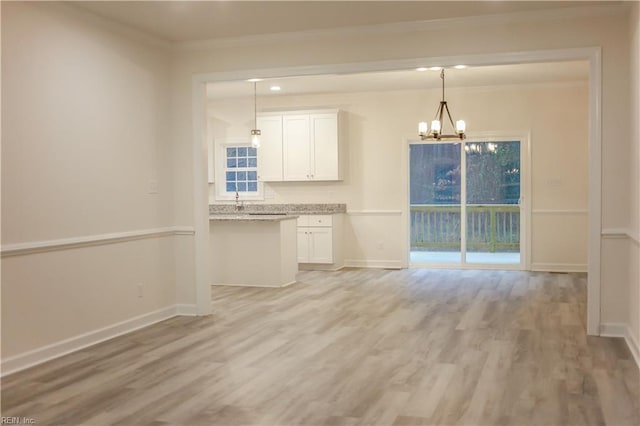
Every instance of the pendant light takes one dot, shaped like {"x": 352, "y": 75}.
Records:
{"x": 437, "y": 125}
{"x": 255, "y": 132}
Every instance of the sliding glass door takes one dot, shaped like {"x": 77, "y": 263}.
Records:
{"x": 465, "y": 203}
{"x": 492, "y": 202}
{"x": 435, "y": 203}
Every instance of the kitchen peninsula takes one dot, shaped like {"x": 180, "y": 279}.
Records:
{"x": 263, "y": 245}
{"x": 257, "y": 250}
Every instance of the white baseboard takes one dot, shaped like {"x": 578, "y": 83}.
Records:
{"x": 384, "y": 264}
{"x": 623, "y": 330}
{"x": 613, "y": 329}
{"x": 253, "y": 285}
{"x": 55, "y": 350}
{"x": 559, "y": 267}
{"x": 186, "y": 310}
{"x": 330, "y": 267}
{"x": 634, "y": 346}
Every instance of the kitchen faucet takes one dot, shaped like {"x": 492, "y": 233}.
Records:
{"x": 239, "y": 204}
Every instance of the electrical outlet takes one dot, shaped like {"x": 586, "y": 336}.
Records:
{"x": 152, "y": 187}
{"x": 140, "y": 288}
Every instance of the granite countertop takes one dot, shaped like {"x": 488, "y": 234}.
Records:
{"x": 296, "y": 209}
{"x": 236, "y": 217}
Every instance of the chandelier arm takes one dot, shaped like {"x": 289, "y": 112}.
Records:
{"x": 438, "y": 113}
{"x": 450, "y": 119}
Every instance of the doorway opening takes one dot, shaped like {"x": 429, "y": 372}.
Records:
{"x": 465, "y": 204}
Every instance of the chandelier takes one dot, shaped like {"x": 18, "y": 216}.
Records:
{"x": 437, "y": 125}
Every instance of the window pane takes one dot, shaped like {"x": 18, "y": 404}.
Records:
{"x": 435, "y": 174}
{"x": 493, "y": 172}
{"x": 435, "y": 203}
{"x": 241, "y": 173}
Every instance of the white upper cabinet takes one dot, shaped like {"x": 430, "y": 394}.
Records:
{"x": 307, "y": 149}
{"x": 323, "y": 163}
{"x": 270, "y": 151}
{"x": 296, "y": 147}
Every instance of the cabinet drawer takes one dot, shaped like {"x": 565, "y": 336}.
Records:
{"x": 316, "y": 220}
{"x": 303, "y": 221}
{"x": 321, "y": 220}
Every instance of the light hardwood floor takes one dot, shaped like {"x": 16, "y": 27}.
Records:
{"x": 428, "y": 347}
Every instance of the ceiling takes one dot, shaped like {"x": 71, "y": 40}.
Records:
{"x": 185, "y": 21}
{"x": 407, "y": 79}
{"x": 190, "y": 21}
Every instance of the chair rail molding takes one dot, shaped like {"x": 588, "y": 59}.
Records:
{"x": 617, "y": 233}
{"x": 33, "y": 247}
{"x": 560, "y": 211}
{"x": 374, "y": 212}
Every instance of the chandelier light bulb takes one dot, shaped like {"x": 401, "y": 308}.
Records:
{"x": 435, "y": 126}
{"x": 461, "y": 126}
{"x": 422, "y": 128}
{"x": 255, "y": 138}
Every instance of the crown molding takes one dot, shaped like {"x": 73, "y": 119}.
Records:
{"x": 546, "y": 15}
{"x": 113, "y": 26}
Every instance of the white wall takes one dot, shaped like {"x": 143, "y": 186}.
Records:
{"x": 377, "y": 126}
{"x": 607, "y": 29}
{"x": 634, "y": 181}
{"x": 85, "y": 128}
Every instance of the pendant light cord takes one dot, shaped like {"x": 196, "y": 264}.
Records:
{"x": 442, "y": 78}
{"x": 255, "y": 107}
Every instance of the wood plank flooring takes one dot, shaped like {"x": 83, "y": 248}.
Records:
{"x": 408, "y": 347}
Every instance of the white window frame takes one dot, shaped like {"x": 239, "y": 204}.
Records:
{"x": 221, "y": 193}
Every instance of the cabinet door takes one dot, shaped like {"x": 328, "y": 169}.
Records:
{"x": 296, "y": 147}
{"x": 270, "y": 151}
{"x": 324, "y": 139}
{"x": 303, "y": 245}
{"x": 321, "y": 242}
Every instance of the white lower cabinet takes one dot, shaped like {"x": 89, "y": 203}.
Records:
{"x": 316, "y": 239}
{"x": 315, "y": 245}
